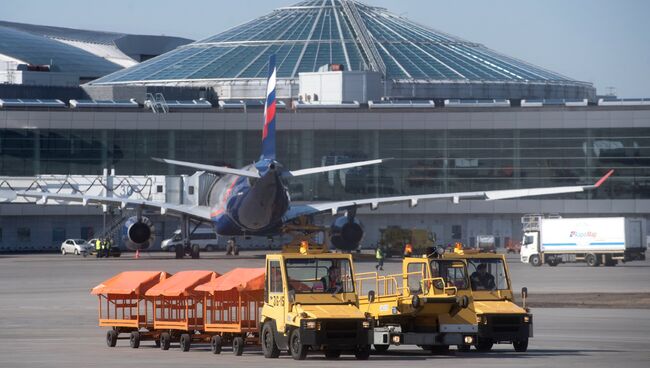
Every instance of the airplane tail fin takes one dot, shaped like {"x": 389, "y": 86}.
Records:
{"x": 268, "y": 133}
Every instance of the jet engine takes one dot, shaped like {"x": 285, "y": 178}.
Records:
{"x": 346, "y": 233}
{"x": 138, "y": 234}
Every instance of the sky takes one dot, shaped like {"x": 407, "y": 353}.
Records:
{"x": 605, "y": 42}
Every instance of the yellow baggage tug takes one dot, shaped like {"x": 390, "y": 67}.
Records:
{"x": 429, "y": 304}
{"x": 310, "y": 302}
{"x": 499, "y": 319}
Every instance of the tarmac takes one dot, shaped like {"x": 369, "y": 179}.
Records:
{"x": 49, "y": 319}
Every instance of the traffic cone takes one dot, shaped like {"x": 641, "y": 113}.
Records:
{"x": 137, "y": 253}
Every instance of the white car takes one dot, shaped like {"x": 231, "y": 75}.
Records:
{"x": 75, "y": 246}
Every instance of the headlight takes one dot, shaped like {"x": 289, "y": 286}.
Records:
{"x": 526, "y": 319}
{"x": 396, "y": 339}
{"x": 366, "y": 324}
{"x": 310, "y": 325}
{"x": 469, "y": 340}
{"x": 478, "y": 319}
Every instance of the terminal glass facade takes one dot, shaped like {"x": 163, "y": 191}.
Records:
{"x": 424, "y": 161}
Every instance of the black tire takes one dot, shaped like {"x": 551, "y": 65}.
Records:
{"x": 553, "y": 261}
{"x": 535, "y": 261}
{"x": 381, "y": 348}
{"x": 591, "y": 260}
{"x": 238, "y": 345}
{"x": 63, "y": 252}
{"x": 464, "y": 348}
{"x": 76, "y": 252}
{"x": 186, "y": 341}
{"x": 134, "y": 339}
{"x": 297, "y": 349}
{"x": 111, "y": 338}
{"x": 165, "y": 340}
{"x": 362, "y": 353}
{"x": 332, "y": 354}
{"x": 180, "y": 252}
{"x": 609, "y": 262}
{"x": 483, "y": 345}
{"x": 196, "y": 251}
{"x": 215, "y": 344}
{"x": 440, "y": 349}
{"x": 156, "y": 342}
{"x": 269, "y": 348}
{"x": 520, "y": 346}
{"x": 235, "y": 250}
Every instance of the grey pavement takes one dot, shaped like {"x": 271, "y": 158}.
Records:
{"x": 49, "y": 319}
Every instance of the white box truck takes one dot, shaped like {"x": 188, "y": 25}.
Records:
{"x": 596, "y": 241}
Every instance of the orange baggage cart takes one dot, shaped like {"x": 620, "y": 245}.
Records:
{"x": 178, "y": 308}
{"x": 124, "y": 307}
{"x": 233, "y": 303}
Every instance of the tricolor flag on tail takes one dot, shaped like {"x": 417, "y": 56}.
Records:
{"x": 268, "y": 133}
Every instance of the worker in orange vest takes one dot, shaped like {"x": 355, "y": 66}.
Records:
{"x": 408, "y": 250}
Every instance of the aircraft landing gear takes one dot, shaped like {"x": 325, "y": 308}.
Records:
{"x": 187, "y": 248}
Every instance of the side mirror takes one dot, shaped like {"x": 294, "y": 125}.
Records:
{"x": 371, "y": 296}
{"x": 524, "y": 295}
{"x": 291, "y": 295}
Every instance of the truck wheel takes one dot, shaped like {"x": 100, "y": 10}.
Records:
{"x": 440, "y": 349}
{"x": 609, "y": 262}
{"x": 297, "y": 349}
{"x": 238, "y": 345}
{"x": 196, "y": 251}
{"x": 483, "y": 345}
{"x": 134, "y": 339}
{"x": 381, "y": 348}
{"x": 185, "y": 342}
{"x": 269, "y": 348}
{"x": 592, "y": 260}
{"x": 215, "y": 344}
{"x": 464, "y": 348}
{"x": 180, "y": 252}
{"x": 520, "y": 346}
{"x": 165, "y": 340}
{"x": 535, "y": 260}
{"x": 362, "y": 353}
{"x": 553, "y": 261}
{"x": 111, "y": 338}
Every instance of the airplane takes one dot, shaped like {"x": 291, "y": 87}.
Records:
{"x": 255, "y": 200}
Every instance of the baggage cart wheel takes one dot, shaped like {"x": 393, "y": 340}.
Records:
{"x": 134, "y": 339}
{"x": 111, "y": 338}
{"x": 196, "y": 251}
{"x": 185, "y": 342}
{"x": 296, "y": 348}
{"x": 332, "y": 354}
{"x": 238, "y": 345}
{"x": 520, "y": 346}
{"x": 165, "y": 340}
{"x": 381, "y": 348}
{"x": 215, "y": 344}
{"x": 362, "y": 353}
{"x": 464, "y": 348}
{"x": 269, "y": 348}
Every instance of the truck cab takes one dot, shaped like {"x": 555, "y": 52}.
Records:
{"x": 499, "y": 319}
{"x": 310, "y": 303}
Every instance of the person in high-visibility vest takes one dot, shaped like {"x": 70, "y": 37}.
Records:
{"x": 379, "y": 254}
{"x": 98, "y": 248}
{"x": 304, "y": 247}
{"x": 408, "y": 250}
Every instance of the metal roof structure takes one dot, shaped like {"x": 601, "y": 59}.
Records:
{"x": 415, "y": 60}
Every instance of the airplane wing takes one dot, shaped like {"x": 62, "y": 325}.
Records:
{"x": 320, "y": 169}
{"x": 200, "y": 212}
{"x": 412, "y": 200}
{"x": 209, "y": 168}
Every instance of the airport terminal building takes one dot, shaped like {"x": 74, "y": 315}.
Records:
{"x": 356, "y": 82}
